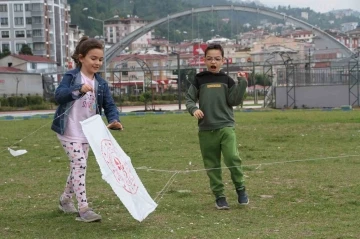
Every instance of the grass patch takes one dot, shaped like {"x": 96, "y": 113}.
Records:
{"x": 302, "y": 172}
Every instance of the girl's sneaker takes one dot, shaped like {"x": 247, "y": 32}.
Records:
{"x": 67, "y": 205}
{"x": 88, "y": 215}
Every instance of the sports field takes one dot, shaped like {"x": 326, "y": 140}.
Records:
{"x": 302, "y": 176}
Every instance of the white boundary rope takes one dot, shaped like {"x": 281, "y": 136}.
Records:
{"x": 175, "y": 173}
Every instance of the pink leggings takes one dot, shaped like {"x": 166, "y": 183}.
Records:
{"x": 78, "y": 154}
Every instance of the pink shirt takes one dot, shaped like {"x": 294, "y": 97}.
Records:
{"x": 82, "y": 108}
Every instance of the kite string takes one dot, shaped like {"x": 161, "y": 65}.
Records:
{"x": 167, "y": 185}
{"x": 175, "y": 173}
{"x": 249, "y": 165}
{"x": 27, "y": 136}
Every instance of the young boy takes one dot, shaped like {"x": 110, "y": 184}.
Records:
{"x": 217, "y": 94}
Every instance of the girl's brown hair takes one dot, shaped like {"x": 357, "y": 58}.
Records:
{"x": 84, "y": 46}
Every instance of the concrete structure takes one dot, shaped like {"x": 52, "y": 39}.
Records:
{"x": 42, "y": 24}
{"x": 333, "y": 43}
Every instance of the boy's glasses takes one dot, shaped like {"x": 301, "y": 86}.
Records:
{"x": 216, "y": 59}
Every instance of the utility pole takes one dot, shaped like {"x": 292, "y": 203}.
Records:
{"x": 103, "y": 33}
{"x": 179, "y": 80}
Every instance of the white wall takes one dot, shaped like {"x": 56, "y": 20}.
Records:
{"x": 28, "y": 84}
{"x": 315, "y": 96}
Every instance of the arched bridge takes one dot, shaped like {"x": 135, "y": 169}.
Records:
{"x": 332, "y": 42}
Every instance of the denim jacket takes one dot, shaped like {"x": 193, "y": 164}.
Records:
{"x": 70, "y": 82}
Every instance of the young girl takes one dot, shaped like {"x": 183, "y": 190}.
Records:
{"x": 81, "y": 94}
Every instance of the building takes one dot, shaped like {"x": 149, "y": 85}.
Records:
{"x": 263, "y": 50}
{"x": 117, "y": 29}
{"x": 305, "y": 15}
{"x": 348, "y": 26}
{"x": 41, "y": 24}
{"x": 301, "y": 35}
{"x": 354, "y": 33}
{"x": 247, "y": 39}
{"x": 351, "y": 39}
{"x": 27, "y": 63}
{"x": 136, "y": 69}
{"x": 160, "y": 45}
{"x": 75, "y": 33}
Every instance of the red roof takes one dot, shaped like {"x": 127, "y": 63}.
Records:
{"x": 37, "y": 59}
{"x": 9, "y": 69}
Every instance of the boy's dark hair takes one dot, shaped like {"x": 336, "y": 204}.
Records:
{"x": 84, "y": 46}
{"x": 214, "y": 47}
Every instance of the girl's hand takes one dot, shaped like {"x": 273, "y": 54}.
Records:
{"x": 115, "y": 126}
{"x": 85, "y": 88}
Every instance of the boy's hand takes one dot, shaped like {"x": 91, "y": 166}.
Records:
{"x": 198, "y": 114}
{"x": 115, "y": 126}
{"x": 241, "y": 74}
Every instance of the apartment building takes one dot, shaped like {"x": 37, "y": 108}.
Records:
{"x": 75, "y": 33}
{"x": 116, "y": 29}
{"x": 42, "y": 24}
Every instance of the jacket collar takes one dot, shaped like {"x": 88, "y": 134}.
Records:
{"x": 75, "y": 72}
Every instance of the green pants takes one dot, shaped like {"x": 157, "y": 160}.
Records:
{"x": 212, "y": 144}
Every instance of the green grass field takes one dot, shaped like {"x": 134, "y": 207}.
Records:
{"x": 302, "y": 176}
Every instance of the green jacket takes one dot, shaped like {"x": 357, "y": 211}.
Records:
{"x": 217, "y": 94}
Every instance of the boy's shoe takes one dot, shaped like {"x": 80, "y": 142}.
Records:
{"x": 88, "y": 216}
{"x": 67, "y": 205}
{"x": 221, "y": 203}
{"x": 242, "y": 197}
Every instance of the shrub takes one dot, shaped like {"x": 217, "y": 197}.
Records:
{"x": 39, "y": 107}
{"x": 17, "y": 101}
{"x": 4, "y": 102}
{"x": 133, "y": 98}
{"x": 34, "y": 100}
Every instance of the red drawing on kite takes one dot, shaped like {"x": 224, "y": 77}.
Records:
{"x": 120, "y": 169}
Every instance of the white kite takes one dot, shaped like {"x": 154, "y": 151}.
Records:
{"x": 116, "y": 169}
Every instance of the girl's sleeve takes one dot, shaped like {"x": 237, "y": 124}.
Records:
{"x": 64, "y": 92}
{"x": 109, "y": 106}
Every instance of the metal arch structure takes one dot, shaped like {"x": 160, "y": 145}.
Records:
{"x": 147, "y": 75}
{"x": 118, "y": 47}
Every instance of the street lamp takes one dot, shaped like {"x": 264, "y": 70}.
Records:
{"x": 103, "y": 33}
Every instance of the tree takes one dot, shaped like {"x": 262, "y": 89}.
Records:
{"x": 25, "y": 50}
{"x": 145, "y": 97}
{"x": 5, "y": 52}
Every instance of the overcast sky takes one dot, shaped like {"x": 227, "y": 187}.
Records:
{"x": 316, "y": 5}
